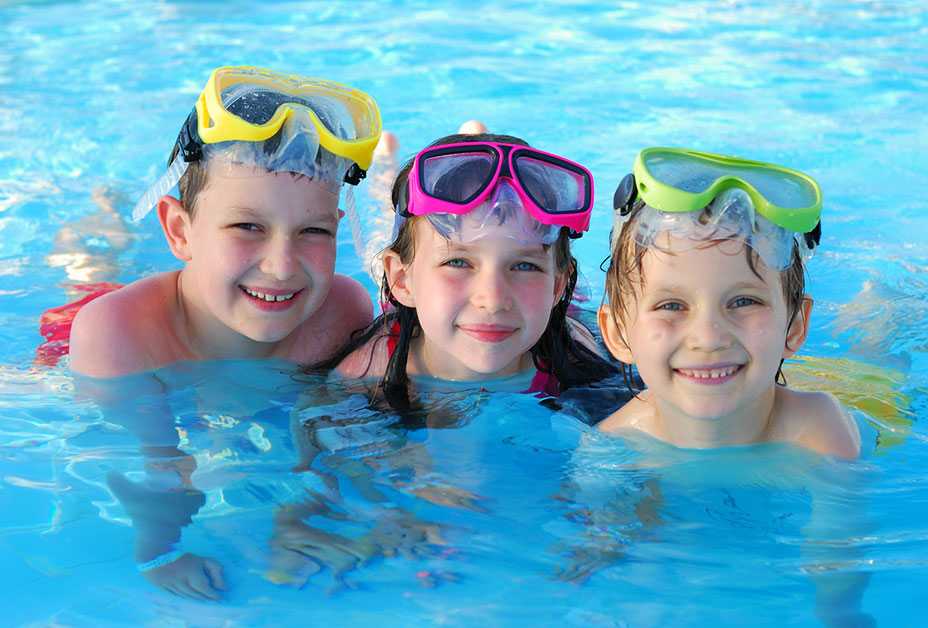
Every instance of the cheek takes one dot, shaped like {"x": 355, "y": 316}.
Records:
{"x": 535, "y": 291}
{"x": 437, "y": 295}
{"x": 319, "y": 255}
{"x": 765, "y": 329}
{"x": 652, "y": 330}
{"x": 439, "y": 286}
{"x": 232, "y": 254}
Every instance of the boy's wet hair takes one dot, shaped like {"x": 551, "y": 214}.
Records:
{"x": 191, "y": 183}
{"x": 556, "y": 352}
{"x": 196, "y": 177}
{"x": 625, "y": 280}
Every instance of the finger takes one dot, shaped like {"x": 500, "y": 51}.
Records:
{"x": 199, "y": 584}
{"x": 182, "y": 589}
{"x": 214, "y": 571}
{"x": 190, "y": 590}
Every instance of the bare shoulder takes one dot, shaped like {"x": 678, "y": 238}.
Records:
{"x": 816, "y": 421}
{"x": 113, "y": 334}
{"x": 350, "y": 303}
{"x": 347, "y": 309}
{"x": 634, "y": 415}
{"x": 368, "y": 360}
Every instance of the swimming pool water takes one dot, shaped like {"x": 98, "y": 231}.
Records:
{"x": 512, "y": 512}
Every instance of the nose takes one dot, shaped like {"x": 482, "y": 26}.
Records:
{"x": 279, "y": 260}
{"x": 708, "y": 332}
{"x": 491, "y": 292}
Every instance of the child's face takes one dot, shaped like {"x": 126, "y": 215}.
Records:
{"x": 482, "y": 305}
{"x": 262, "y": 250}
{"x": 705, "y": 333}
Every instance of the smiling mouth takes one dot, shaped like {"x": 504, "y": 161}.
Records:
{"x": 714, "y": 375}
{"x": 487, "y": 333}
{"x": 269, "y": 298}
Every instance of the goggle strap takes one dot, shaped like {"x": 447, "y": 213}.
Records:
{"x": 161, "y": 187}
{"x": 402, "y": 201}
{"x": 355, "y": 174}
{"x": 188, "y": 141}
{"x": 625, "y": 195}
{"x": 814, "y": 237}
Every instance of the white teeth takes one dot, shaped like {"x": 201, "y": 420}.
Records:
{"x": 271, "y": 298}
{"x": 710, "y": 373}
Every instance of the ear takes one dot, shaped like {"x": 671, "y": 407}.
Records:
{"x": 341, "y": 214}
{"x": 609, "y": 329}
{"x": 799, "y": 328}
{"x": 398, "y": 278}
{"x": 176, "y": 223}
{"x": 560, "y": 284}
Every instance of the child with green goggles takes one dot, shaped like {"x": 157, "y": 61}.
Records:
{"x": 706, "y": 298}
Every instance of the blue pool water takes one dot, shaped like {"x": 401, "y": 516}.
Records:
{"x": 513, "y": 512}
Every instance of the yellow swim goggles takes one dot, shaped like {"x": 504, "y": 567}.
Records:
{"x": 247, "y": 104}
{"x": 277, "y": 121}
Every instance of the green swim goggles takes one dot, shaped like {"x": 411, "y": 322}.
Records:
{"x": 674, "y": 184}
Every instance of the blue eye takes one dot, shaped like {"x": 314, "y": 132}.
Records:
{"x": 526, "y": 266}
{"x": 743, "y": 302}
{"x": 456, "y": 262}
{"x": 246, "y": 226}
{"x": 671, "y": 306}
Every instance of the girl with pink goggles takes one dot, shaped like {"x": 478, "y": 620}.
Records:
{"x": 458, "y": 178}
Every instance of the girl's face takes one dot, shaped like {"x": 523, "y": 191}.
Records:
{"x": 706, "y": 334}
{"x": 482, "y": 304}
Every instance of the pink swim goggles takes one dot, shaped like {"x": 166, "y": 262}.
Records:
{"x": 458, "y": 178}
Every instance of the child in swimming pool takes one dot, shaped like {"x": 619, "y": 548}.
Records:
{"x": 479, "y": 273}
{"x": 706, "y": 299}
{"x": 259, "y": 163}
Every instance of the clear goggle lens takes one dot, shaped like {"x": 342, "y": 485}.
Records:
{"x": 460, "y": 177}
{"x": 693, "y": 174}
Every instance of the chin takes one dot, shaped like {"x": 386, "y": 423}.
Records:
{"x": 495, "y": 368}
{"x": 710, "y": 412}
{"x": 269, "y": 335}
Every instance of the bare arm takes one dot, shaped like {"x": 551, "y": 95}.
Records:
{"x": 830, "y": 551}
{"x": 162, "y": 504}
{"x": 98, "y": 346}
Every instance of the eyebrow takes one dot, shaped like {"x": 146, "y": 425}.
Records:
{"x": 245, "y": 210}
{"x": 458, "y": 247}
{"x": 676, "y": 288}
{"x": 751, "y": 285}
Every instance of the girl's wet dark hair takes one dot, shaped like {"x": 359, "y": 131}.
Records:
{"x": 556, "y": 352}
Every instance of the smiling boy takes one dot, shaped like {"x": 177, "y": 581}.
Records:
{"x": 707, "y": 299}
{"x": 259, "y": 164}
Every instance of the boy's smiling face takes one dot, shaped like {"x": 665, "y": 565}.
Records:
{"x": 260, "y": 253}
{"x": 705, "y": 332}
